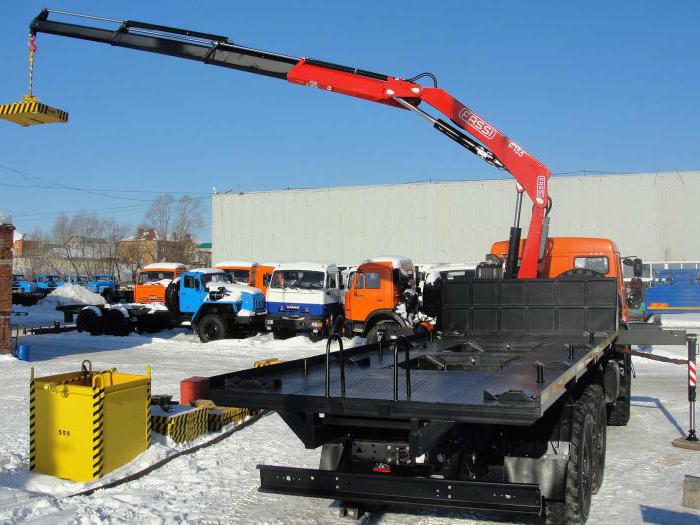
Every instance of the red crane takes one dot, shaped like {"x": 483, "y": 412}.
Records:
{"x": 491, "y": 145}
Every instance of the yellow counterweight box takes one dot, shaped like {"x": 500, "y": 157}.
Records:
{"x": 30, "y": 112}
{"x": 85, "y": 424}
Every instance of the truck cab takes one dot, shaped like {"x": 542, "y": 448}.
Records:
{"x": 77, "y": 279}
{"x": 24, "y": 292}
{"x": 103, "y": 284}
{"x": 382, "y": 293}
{"x": 216, "y": 306}
{"x": 303, "y": 297}
{"x": 153, "y": 279}
{"x": 47, "y": 283}
{"x": 571, "y": 255}
{"x": 250, "y": 273}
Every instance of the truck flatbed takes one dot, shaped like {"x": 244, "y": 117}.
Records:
{"x": 469, "y": 380}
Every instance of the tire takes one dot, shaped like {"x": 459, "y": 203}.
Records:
{"x": 372, "y": 336}
{"x": 212, "y": 328}
{"x": 619, "y": 413}
{"x": 575, "y": 508}
{"x": 89, "y": 321}
{"x": 601, "y": 425}
{"x": 116, "y": 323}
{"x": 172, "y": 298}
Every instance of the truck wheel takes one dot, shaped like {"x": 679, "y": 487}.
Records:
{"x": 373, "y": 333}
{"x": 89, "y": 321}
{"x": 212, "y": 328}
{"x": 116, "y": 323}
{"x": 619, "y": 413}
{"x": 601, "y": 435}
{"x": 580, "y": 470}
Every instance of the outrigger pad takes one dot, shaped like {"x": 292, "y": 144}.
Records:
{"x": 30, "y": 112}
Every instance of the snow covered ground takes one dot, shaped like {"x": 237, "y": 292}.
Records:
{"x": 218, "y": 484}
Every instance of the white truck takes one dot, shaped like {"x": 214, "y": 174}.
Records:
{"x": 303, "y": 297}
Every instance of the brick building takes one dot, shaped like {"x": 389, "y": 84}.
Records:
{"x": 6, "y": 239}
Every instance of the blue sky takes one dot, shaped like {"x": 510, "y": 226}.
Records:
{"x": 597, "y": 86}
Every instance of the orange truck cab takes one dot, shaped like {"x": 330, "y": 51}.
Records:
{"x": 248, "y": 273}
{"x": 571, "y": 255}
{"x": 381, "y": 293}
{"x": 153, "y": 279}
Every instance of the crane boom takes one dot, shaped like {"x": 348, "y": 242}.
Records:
{"x": 491, "y": 145}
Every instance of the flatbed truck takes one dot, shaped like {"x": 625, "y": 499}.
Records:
{"x": 503, "y": 407}
{"x": 505, "y": 404}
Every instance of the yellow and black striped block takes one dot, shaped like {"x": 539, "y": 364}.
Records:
{"x": 182, "y": 424}
{"x": 31, "y": 112}
{"x": 219, "y": 417}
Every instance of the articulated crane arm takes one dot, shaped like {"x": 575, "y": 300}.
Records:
{"x": 492, "y": 145}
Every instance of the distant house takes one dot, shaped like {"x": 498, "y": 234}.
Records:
{"x": 147, "y": 247}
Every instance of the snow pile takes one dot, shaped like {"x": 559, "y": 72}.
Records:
{"x": 680, "y": 321}
{"x": 72, "y": 294}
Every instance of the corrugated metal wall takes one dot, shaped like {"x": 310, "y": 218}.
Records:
{"x": 652, "y": 215}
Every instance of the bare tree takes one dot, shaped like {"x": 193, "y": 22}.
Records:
{"x": 188, "y": 221}
{"x": 159, "y": 216}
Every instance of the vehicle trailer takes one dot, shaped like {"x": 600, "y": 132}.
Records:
{"x": 503, "y": 407}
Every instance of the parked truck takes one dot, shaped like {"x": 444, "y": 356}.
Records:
{"x": 303, "y": 297}
{"x": 153, "y": 279}
{"x": 673, "y": 291}
{"x": 47, "y": 283}
{"x": 250, "y": 273}
{"x": 103, "y": 284}
{"x": 382, "y": 296}
{"x": 504, "y": 407}
{"x": 215, "y": 307}
{"x": 24, "y": 292}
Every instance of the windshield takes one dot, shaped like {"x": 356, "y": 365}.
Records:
{"x": 153, "y": 277}
{"x": 216, "y": 278}
{"x": 48, "y": 278}
{"x": 78, "y": 279}
{"x": 297, "y": 279}
{"x": 102, "y": 277}
{"x": 239, "y": 276}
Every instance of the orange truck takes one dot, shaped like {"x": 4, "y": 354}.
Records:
{"x": 381, "y": 294}
{"x": 570, "y": 256}
{"x": 153, "y": 279}
{"x": 250, "y": 273}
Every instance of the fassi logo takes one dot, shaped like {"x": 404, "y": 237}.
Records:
{"x": 479, "y": 124}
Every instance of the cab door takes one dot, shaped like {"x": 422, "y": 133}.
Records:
{"x": 191, "y": 293}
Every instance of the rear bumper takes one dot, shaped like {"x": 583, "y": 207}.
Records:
{"x": 385, "y": 489}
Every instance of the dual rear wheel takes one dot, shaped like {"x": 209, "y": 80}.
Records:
{"x": 584, "y": 474}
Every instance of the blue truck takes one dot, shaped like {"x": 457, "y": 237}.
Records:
{"x": 103, "y": 284}
{"x": 47, "y": 283}
{"x": 24, "y": 292}
{"x": 673, "y": 291}
{"x": 215, "y": 307}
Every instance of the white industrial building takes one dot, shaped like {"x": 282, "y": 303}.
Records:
{"x": 651, "y": 215}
